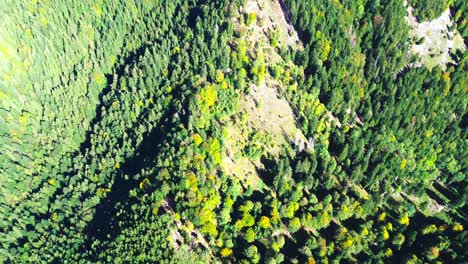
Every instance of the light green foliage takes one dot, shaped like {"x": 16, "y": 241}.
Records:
{"x": 251, "y": 18}
{"x": 208, "y": 96}
{"x": 250, "y": 235}
{"x": 294, "y": 225}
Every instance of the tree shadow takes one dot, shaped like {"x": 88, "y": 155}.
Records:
{"x": 105, "y": 224}
{"x": 114, "y": 209}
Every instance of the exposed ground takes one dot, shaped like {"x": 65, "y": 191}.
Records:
{"x": 266, "y": 113}
{"x": 270, "y": 18}
{"x": 432, "y": 40}
{"x": 265, "y": 109}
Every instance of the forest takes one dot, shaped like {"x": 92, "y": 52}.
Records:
{"x": 233, "y": 131}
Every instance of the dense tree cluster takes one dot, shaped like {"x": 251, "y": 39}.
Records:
{"x": 114, "y": 115}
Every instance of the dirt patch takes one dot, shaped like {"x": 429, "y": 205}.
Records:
{"x": 433, "y": 41}
{"x": 267, "y": 111}
{"x": 236, "y": 162}
{"x": 265, "y": 108}
{"x": 271, "y": 20}
{"x": 266, "y": 115}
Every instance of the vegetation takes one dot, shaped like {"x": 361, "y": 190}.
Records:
{"x": 117, "y": 120}
{"x": 428, "y": 9}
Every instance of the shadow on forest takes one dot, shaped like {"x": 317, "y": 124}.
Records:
{"x": 130, "y": 61}
{"x": 266, "y": 173}
{"x": 113, "y": 209}
{"x": 119, "y": 70}
{"x": 105, "y": 222}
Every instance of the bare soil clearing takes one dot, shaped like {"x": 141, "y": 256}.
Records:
{"x": 433, "y": 41}
{"x": 270, "y": 17}
{"x": 266, "y": 112}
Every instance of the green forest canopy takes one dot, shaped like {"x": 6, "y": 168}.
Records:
{"x": 116, "y": 124}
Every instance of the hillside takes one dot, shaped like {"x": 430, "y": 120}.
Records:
{"x": 246, "y": 131}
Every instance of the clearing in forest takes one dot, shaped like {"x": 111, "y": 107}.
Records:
{"x": 268, "y": 122}
{"x": 433, "y": 41}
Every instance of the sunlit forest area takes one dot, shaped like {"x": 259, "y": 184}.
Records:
{"x": 233, "y": 131}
